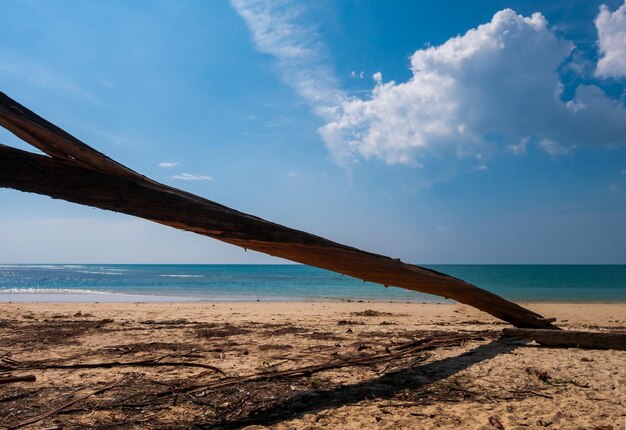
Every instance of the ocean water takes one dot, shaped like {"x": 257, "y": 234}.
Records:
{"x": 89, "y": 282}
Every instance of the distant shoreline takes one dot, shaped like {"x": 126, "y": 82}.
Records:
{"x": 122, "y": 298}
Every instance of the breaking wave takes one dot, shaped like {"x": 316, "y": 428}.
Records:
{"x": 51, "y": 291}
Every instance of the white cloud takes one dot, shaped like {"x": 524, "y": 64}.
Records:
{"x": 168, "y": 164}
{"x": 277, "y": 29}
{"x": 481, "y": 168}
{"x": 495, "y": 85}
{"x": 612, "y": 42}
{"x": 614, "y": 188}
{"x": 292, "y": 174}
{"x": 519, "y": 148}
{"x": 622, "y": 172}
{"x": 495, "y": 88}
{"x": 553, "y": 148}
{"x": 355, "y": 74}
{"x": 190, "y": 177}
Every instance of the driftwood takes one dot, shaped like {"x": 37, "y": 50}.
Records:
{"x": 13, "y": 379}
{"x": 111, "y": 364}
{"x": 77, "y": 173}
{"x": 570, "y": 338}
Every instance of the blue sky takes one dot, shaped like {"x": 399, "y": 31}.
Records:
{"x": 437, "y": 132}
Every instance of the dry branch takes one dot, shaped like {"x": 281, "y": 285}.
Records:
{"x": 13, "y": 379}
{"x": 111, "y": 364}
{"x": 77, "y": 173}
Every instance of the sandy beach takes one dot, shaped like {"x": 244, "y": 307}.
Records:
{"x": 365, "y": 365}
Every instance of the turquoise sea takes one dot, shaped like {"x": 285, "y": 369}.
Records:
{"x": 91, "y": 282}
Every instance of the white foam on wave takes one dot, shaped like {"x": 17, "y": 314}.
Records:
{"x": 51, "y": 291}
{"x": 182, "y": 276}
{"x": 93, "y": 272}
{"x": 69, "y": 295}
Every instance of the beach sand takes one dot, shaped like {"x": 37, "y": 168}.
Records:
{"x": 434, "y": 366}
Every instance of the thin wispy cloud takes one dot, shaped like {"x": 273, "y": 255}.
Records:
{"x": 480, "y": 168}
{"x": 279, "y": 29}
{"x": 167, "y": 164}
{"x": 519, "y": 148}
{"x": 553, "y": 148}
{"x": 190, "y": 177}
{"x": 42, "y": 77}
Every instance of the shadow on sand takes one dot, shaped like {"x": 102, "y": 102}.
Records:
{"x": 383, "y": 387}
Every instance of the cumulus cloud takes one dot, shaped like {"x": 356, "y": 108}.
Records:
{"x": 168, "y": 164}
{"x": 496, "y": 83}
{"x": 494, "y": 88}
{"x": 190, "y": 177}
{"x": 611, "y": 42}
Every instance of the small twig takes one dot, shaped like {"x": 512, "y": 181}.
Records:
{"x": 12, "y": 379}
{"x": 9, "y": 360}
{"x": 531, "y": 392}
{"x": 404, "y": 404}
{"x": 109, "y": 364}
{"x": 17, "y": 396}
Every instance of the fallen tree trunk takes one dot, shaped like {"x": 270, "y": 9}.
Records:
{"x": 570, "y": 339}
{"x": 77, "y": 173}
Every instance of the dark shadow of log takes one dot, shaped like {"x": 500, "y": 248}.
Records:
{"x": 570, "y": 338}
{"x": 383, "y": 387}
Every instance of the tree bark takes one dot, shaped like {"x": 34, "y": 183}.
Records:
{"x": 77, "y": 173}
{"x": 570, "y": 338}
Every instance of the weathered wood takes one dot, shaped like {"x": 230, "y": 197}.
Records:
{"x": 570, "y": 338}
{"x": 13, "y": 379}
{"x": 50, "y": 139}
{"x": 85, "y": 176}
